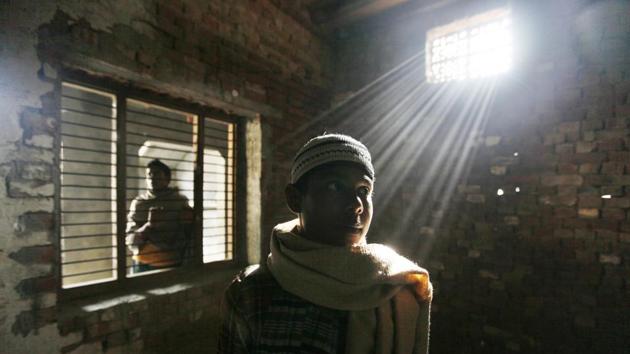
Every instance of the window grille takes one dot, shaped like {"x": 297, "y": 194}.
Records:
{"x": 88, "y": 186}
{"x": 475, "y": 47}
{"x": 106, "y": 141}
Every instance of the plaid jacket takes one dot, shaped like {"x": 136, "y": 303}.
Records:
{"x": 260, "y": 317}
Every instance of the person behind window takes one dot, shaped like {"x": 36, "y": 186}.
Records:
{"x": 159, "y": 222}
{"x": 323, "y": 288}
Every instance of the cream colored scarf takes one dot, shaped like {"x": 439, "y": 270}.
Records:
{"x": 388, "y": 296}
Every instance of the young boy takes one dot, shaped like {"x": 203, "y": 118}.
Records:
{"x": 323, "y": 288}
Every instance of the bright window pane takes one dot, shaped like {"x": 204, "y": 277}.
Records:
{"x": 218, "y": 191}
{"x": 88, "y": 186}
{"x": 476, "y": 47}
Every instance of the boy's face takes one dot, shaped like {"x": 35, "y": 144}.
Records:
{"x": 336, "y": 208}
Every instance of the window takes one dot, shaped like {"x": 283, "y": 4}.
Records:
{"x": 475, "y": 47}
{"x": 143, "y": 188}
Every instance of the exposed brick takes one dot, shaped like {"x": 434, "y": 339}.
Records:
{"x": 34, "y": 221}
{"x": 582, "y": 147}
{"x": 20, "y": 188}
{"x": 622, "y": 110}
{"x": 35, "y": 171}
{"x": 592, "y": 124}
{"x": 563, "y": 212}
{"x": 498, "y": 170}
{"x": 568, "y": 127}
{"x": 590, "y": 201}
{"x": 589, "y": 168}
{"x": 623, "y": 157}
{"x": 613, "y": 168}
{"x": 613, "y": 213}
{"x": 32, "y": 286}
{"x": 34, "y": 255}
{"x": 609, "y": 259}
{"x": 554, "y": 138}
{"x": 476, "y": 198}
{"x": 567, "y": 168}
{"x": 557, "y": 180}
{"x": 617, "y": 203}
{"x": 588, "y": 136}
{"x": 564, "y": 148}
{"x": 28, "y": 321}
{"x": 620, "y": 180}
{"x": 610, "y": 145}
{"x": 614, "y": 191}
{"x": 34, "y": 123}
{"x": 588, "y": 213}
{"x": 591, "y": 157}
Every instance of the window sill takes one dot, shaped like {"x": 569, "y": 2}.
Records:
{"x": 137, "y": 294}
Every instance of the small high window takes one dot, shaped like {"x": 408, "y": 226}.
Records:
{"x": 474, "y": 47}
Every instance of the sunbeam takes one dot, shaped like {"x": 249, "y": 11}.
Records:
{"x": 417, "y": 131}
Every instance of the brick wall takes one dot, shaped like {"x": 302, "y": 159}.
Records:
{"x": 252, "y": 58}
{"x": 540, "y": 270}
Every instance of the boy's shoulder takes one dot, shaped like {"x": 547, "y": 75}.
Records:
{"x": 253, "y": 282}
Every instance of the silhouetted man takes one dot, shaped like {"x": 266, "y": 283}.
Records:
{"x": 159, "y": 222}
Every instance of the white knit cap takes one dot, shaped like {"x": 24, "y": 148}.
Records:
{"x": 328, "y": 148}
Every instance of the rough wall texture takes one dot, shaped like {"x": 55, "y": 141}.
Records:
{"x": 544, "y": 269}
{"x": 247, "y": 57}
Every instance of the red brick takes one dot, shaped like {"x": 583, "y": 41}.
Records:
{"x": 613, "y": 214}
{"x": 592, "y": 124}
{"x": 34, "y": 255}
{"x": 617, "y": 203}
{"x": 592, "y": 157}
{"x": 564, "y": 212}
{"x": 564, "y": 149}
{"x": 589, "y": 201}
{"x": 620, "y": 180}
{"x": 557, "y": 180}
{"x": 567, "y": 127}
{"x": 622, "y": 110}
{"x": 596, "y": 180}
{"x": 619, "y": 156}
{"x": 582, "y": 147}
{"x": 589, "y": 213}
{"x": 589, "y": 168}
{"x": 613, "y": 168}
{"x": 567, "y": 168}
{"x": 610, "y": 145}
{"x": 32, "y": 286}
{"x": 34, "y": 222}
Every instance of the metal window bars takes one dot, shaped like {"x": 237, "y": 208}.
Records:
{"x": 106, "y": 142}
{"x": 473, "y": 47}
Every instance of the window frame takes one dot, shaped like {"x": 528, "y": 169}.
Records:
{"x": 458, "y": 25}
{"x": 123, "y": 91}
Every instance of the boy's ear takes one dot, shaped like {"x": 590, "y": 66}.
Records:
{"x": 294, "y": 198}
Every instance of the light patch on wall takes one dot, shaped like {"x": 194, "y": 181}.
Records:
{"x": 474, "y": 47}
{"x": 606, "y": 196}
{"x": 500, "y": 192}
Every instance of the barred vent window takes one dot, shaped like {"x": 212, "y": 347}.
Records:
{"x": 474, "y": 47}
{"x": 88, "y": 186}
{"x": 118, "y": 152}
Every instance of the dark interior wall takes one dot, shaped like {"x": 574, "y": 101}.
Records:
{"x": 542, "y": 270}
{"x": 256, "y": 59}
